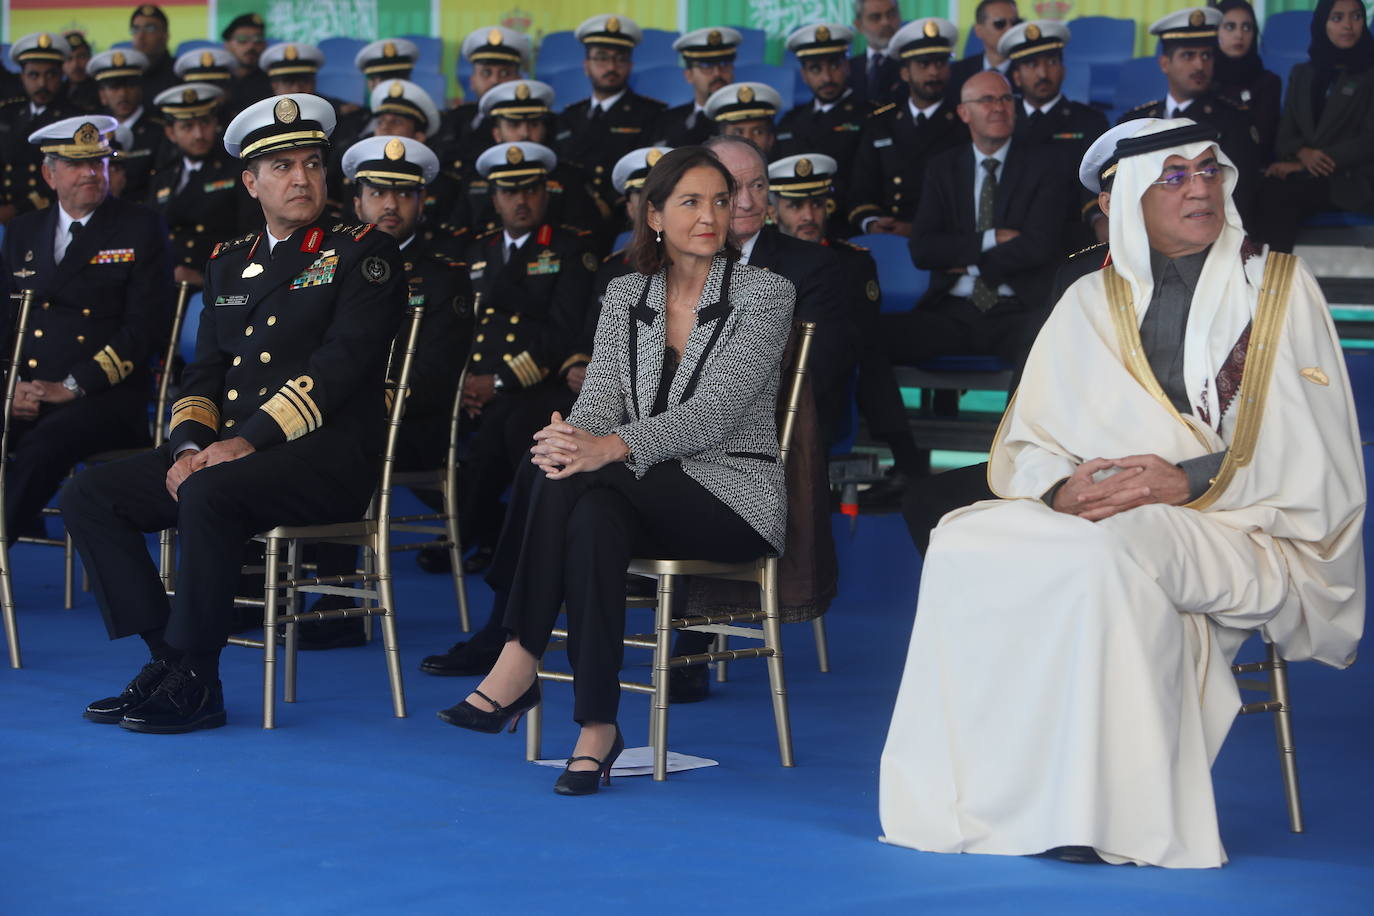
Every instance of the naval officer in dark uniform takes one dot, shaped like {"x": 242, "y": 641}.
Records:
{"x": 118, "y": 77}
{"x": 281, "y": 420}
{"x": 39, "y": 57}
{"x": 99, "y": 267}
{"x": 497, "y": 55}
{"x": 708, "y": 64}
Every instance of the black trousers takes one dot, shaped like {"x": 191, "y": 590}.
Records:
{"x": 43, "y": 451}
{"x": 952, "y": 325}
{"x": 108, "y": 508}
{"x": 1285, "y": 202}
{"x": 571, "y": 541}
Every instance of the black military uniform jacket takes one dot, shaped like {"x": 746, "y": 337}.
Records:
{"x": 596, "y": 146}
{"x": 1067, "y": 129}
{"x": 80, "y": 97}
{"x": 106, "y": 309}
{"x": 145, "y": 155}
{"x": 835, "y": 133}
{"x": 672, "y": 130}
{"x": 160, "y": 75}
{"x": 532, "y": 308}
{"x": 571, "y": 202}
{"x": 438, "y": 281}
{"x": 293, "y": 347}
{"x": 253, "y": 86}
{"x": 22, "y": 186}
{"x": 214, "y": 207}
{"x": 889, "y": 86}
{"x": 891, "y": 160}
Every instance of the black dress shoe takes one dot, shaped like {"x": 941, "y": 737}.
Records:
{"x": 434, "y": 559}
{"x": 183, "y": 702}
{"x": 689, "y": 684}
{"x": 341, "y": 633}
{"x": 491, "y": 721}
{"x": 1078, "y": 855}
{"x": 111, "y": 709}
{"x": 475, "y": 657}
{"x": 885, "y": 495}
{"x": 587, "y": 782}
{"x": 478, "y": 560}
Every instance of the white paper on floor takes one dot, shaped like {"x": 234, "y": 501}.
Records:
{"x": 639, "y": 761}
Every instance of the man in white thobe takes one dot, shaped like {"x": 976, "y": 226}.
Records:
{"x": 1180, "y": 467}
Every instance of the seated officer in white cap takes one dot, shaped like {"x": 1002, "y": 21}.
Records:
{"x": 497, "y": 55}
{"x": 516, "y": 111}
{"x": 199, "y": 192}
{"x": 118, "y": 76}
{"x": 99, "y": 268}
{"x": 292, "y": 67}
{"x": 594, "y": 133}
{"x": 746, "y": 110}
{"x": 280, "y": 420}
{"x": 1187, "y": 53}
{"x": 708, "y": 64}
{"x": 388, "y": 176}
{"x": 533, "y": 282}
{"x": 900, "y": 137}
{"x": 39, "y": 58}
{"x": 388, "y": 59}
{"x": 832, "y": 121}
{"x": 206, "y": 65}
{"x": 401, "y": 108}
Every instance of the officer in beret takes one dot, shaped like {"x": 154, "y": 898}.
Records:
{"x": 148, "y": 31}
{"x": 388, "y": 59}
{"x": 708, "y": 64}
{"x": 280, "y": 420}
{"x": 118, "y": 76}
{"x": 388, "y": 176}
{"x": 206, "y": 65}
{"x": 746, "y": 110}
{"x": 497, "y": 55}
{"x": 199, "y": 193}
{"x": 78, "y": 89}
{"x": 245, "y": 37}
{"x": 832, "y": 122}
{"x": 900, "y": 137}
{"x": 594, "y": 133}
{"x": 533, "y": 280}
{"x": 99, "y": 268}
{"x": 522, "y": 110}
{"x": 40, "y": 57}
{"x": 1187, "y": 51}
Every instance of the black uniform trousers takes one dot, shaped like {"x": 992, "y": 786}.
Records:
{"x": 1284, "y": 203}
{"x": 44, "y": 450}
{"x": 953, "y": 326}
{"x": 571, "y": 541}
{"x": 108, "y": 508}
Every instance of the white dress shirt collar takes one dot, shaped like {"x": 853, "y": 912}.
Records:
{"x": 746, "y": 247}
{"x": 606, "y": 104}
{"x": 928, "y": 111}
{"x": 1043, "y": 109}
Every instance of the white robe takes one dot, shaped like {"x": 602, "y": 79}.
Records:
{"x": 1068, "y": 682}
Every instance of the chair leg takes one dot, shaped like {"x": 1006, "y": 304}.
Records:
{"x": 381, "y": 556}
{"x": 369, "y": 569}
{"x": 166, "y": 559}
{"x": 288, "y": 692}
{"x": 69, "y": 572}
{"x": 822, "y": 646}
{"x": 720, "y": 644}
{"x": 1283, "y": 732}
{"x": 455, "y": 553}
{"x": 663, "y": 631}
{"x": 7, "y": 602}
{"x": 534, "y": 725}
{"x": 772, "y": 630}
{"x": 271, "y": 557}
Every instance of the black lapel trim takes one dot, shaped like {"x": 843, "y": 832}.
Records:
{"x": 636, "y": 314}
{"x": 719, "y": 310}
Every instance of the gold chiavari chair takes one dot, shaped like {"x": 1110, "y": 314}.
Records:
{"x": 1275, "y": 686}
{"x": 373, "y": 586}
{"x": 21, "y": 327}
{"x": 768, "y": 634}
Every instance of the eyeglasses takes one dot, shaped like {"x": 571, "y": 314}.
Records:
{"x": 148, "y": 28}
{"x": 1174, "y": 181}
{"x": 608, "y": 57}
{"x": 990, "y": 100}
{"x": 1002, "y": 25}
{"x": 711, "y": 64}
{"x": 250, "y": 39}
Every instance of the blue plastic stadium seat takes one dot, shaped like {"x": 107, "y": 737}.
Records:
{"x": 568, "y": 86}
{"x": 195, "y": 44}
{"x": 1141, "y": 81}
{"x": 431, "y": 58}
{"x": 663, "y": 83}
{"x": 801, "y": 93}
{"x": 776, "y": 76}
{"x": 753, "y": 46}
{"x": 558, "y": 51}
{"x": 1100, "y": 40}
{"x": 347, "y": 85}
{"x": 5, "y": 58}
{"x": 436, "y": 84}
{"x": 1078, "y": 83}
{"x": 1286, "y": 34}
{"x": 656, "y": 49}
{"x": 973, "y": 45}
{"x": 901, "y": 281}
{"x": 340, "y": 51}
{"x": 186, "y": 346}
{"x": 1360, "y": 365}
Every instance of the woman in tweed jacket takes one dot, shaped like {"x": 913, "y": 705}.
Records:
{"x": 670, "y": 451}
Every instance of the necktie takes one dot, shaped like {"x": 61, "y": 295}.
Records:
{"x": 187, "y": 170}
{"x": 984, "y": 296}
{"x": 692, "y": 119}
{"x": 874, "y": 60}
{"x": 511, "y": 249}
{"x": 921, "y": 119}
{"x": 595, "y": 114}
{"x": 73, "y": 230}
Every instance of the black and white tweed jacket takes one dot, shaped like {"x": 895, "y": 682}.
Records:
{"x": 720, "y": 417}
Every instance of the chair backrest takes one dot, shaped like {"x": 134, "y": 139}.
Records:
{"x": 195, "y": 44}
{"x": 779, "y": 77}
{"x": 431, "y": 53}
{"x": 568, "y": 86}
{"x": 663, "y": 83}
{"x": 796, "y": 377}
{"x": 656, "y": 48}
{"x": 753, "y": 46}
{"x": 397, "y": 392}
{"x": 1285, "y": 34}
{"x": 558, "y": 51}
{"x": 901, "y": 281}
{"x": 345, "y": 84}
{"x": 1140, "y": 81}
{"x": 340, "y": 51}
{"x": 1100, "y": 39}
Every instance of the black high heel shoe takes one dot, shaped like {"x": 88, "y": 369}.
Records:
{"x": 584, "y": 782}
{"x": 465, "y": 715}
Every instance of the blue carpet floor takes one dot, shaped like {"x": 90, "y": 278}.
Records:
{"x": 345, "y": 809}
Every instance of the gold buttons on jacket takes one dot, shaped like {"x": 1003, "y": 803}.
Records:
{"x": 476, "y": 358}
{"x": 248, "y": 331}
{"x": 515, "y": 319}
{"x": 271, "y": 320}
{"x": 510, "y": 338}
{"x": 896, "y": 179}
{"x": 262, "y": 391}
{"x": 237, "y": 360}
{"x": 228, "y": 423}
{"x": 85, "y": 313}
{"x": 37, "y": 332}
{"x": 481, "y": 337}
{"x": 81, "y": 338}
{"x": 33, "y": 364}
{"x": 232, "y": 394}
{"x": 265, "y": 357}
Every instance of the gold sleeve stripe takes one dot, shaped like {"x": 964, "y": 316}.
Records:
{"x": 862, "y": 209}
{"x": 526, "y": 369}
{"x": 573, "y": 361}
{"x": 115, "y": 370}
{"x": 293, "y": 409}
{"x": 196, "y": 409}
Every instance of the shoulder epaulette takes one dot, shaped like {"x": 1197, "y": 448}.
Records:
{"x": 451, "y": 230}
{"x": 446, "y": 259}
{"x": 230, "y": 245}
{"x": 487, "y": 233}
{"x": 885, "y": 108}
{"x": 15, "y": 100}
{"x": 357, "y": 230}
{"x": 618, "y": 253}
{"x": 579, "y": 232}
{"x": 1144, "y": 105}
{"x": 1088, "y": 249}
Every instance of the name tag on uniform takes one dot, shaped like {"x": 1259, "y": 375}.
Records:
{"x": 787, "y": 135}
{"x": 476, "y": 270}
{"x": 885, "y": 141}
{"x": 626, "y": 130}
{"x": 546, "y": 263}
{"x": 1069, "y": 136}
{"x": 317, "y": 274}
{"x": 847, "y": 127}
{"x": 113, "y": 256}
{"x": 231, "y": 300}
{"x": 223, "y": 184}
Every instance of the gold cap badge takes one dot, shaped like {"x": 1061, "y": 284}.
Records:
{"x": 514, "y": 155}
{"x": 522, "y": 91}
{"x": 117, "y": 58}
{"x": 613, "y": 24}
{"x": 396, "y": 90}
{"x": 207, "y": 59}
{"x": 87, "y": 135}
{"x": 822, "y": 33}
{"x": 389, "y": 49}
{"x": 1196, "y": 18}
{"x": 803, "y": 168}
{"x": 746, "y": 94}
{"x": 494, "y": 37}
{"x": 291, "y": 53}
{"x": 713, "y": 38}
{"x": 286, "y": 111}
{"x": 652, "y": 157}
{"x": 395, "y": 150}
{"x": 188, "y": 96}
{"x": 1033, "y": 31}
{"x": 931, "y": 29}
{"x": 44, "y": 41}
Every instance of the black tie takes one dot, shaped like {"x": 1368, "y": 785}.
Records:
{"x": 75, "y": 230}
{"x": 595, "y": 114}
{"x": 984, "y": 296}
{"x": 510, "y": 252}
{"x": 921, "y": 119}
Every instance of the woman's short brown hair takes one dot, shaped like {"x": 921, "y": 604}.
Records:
{"x": 646, "y": 254}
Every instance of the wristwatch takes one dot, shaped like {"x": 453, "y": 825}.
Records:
{"x": 497, "y": 383}
{"x": 71, "y": 385}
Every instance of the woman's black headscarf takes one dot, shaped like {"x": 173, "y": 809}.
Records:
{"x": 1238, "y": 71}
{"x": 1329, "y": 61}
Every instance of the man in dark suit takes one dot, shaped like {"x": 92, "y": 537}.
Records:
{"x": 992, "y": 19}
{"x": 990, "y": 232}
{"x": 900, "y": 137}
{"x": 1188, "y": 50}
{"x": 873, "y": 75}
{"x": 200, "y": 195}
{"x": 99, "y": 268}
{"x": 280, "y": 421}
{"x": 708, "y": 58}
{"x": 594, "y": 133}
{"x": 39, "y": 57}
